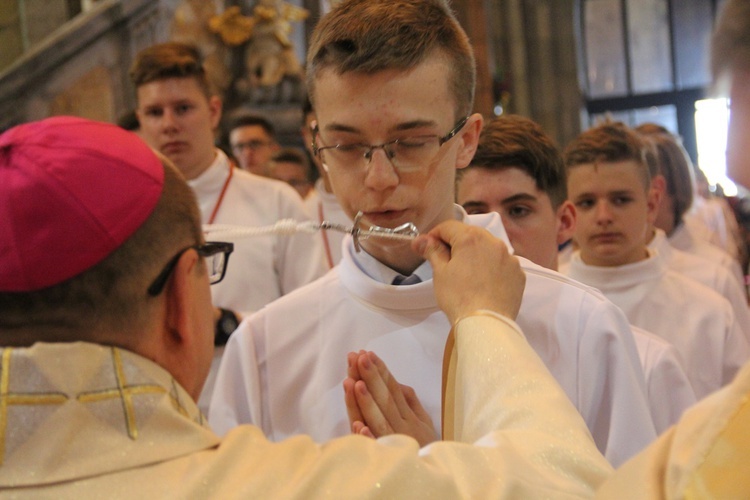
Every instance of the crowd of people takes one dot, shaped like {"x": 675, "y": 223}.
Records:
{"x": 569, "y": 322}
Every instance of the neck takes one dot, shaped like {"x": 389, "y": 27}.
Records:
{"x": 193, "y": 171}
{"x": 397, "y": 255}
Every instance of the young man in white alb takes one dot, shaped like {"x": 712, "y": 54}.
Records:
{"x": 393, "y": 108}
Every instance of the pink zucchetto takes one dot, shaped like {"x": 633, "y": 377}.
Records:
{"x": 71, "y": 192}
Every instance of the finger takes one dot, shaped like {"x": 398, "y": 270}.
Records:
{"x": 448, "y": 232}
{"x": 352, "y": 407}
{"x": 365, "y": 431}
{"x": 414, "y": 404}
{"x": 372, "y": 416}
{"x": 432, "y": 249}
{"x": 362, "y": 430}
{"x": 394, "y": 390}
{"x": 376, "y": 379}
{"x": 351, "y": 366}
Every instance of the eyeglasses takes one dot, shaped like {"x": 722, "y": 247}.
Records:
{"x": 216, "y": 254}
{"x": 405, "y": 154}
{"x": 253, "y": 145}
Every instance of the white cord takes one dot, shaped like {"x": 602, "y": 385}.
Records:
{"x": 284, "y": 227}
{"x": 288, "y": 227}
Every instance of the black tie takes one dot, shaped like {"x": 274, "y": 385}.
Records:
{"x": 406, "y": 280}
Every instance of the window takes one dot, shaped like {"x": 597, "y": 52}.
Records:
{"x": 647, "y": 60}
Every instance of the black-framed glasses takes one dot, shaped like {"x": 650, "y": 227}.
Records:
{"x": 407, "y": 153}
{"x": 216, "y": 254}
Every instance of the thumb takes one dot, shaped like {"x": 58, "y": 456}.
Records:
{"x": 433, "y": 250}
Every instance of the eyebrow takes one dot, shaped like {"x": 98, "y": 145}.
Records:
{"x": 410, "y": 125}
{"x": 519, "y": 197}
{"x": 474, "y": 204}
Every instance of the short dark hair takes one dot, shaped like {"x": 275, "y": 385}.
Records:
{"x": 612, "y": 142}
{"x": 251, "y": 120}
{"x": 368, "y": 36}
{"x": 170, "y": 60}
{"x": 111, "y": 296}
{"x": 129, "y": 121}
{"x": 513, "y": 141}
{"x": 293, "y": 155}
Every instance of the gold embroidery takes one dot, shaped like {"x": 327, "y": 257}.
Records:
{"x": 124, "y": 392}
{"x": 8, "y": 398}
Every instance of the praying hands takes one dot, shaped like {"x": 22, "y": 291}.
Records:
{"x": 473, "y": 271}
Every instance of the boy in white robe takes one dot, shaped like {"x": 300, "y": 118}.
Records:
{"x": 391, "y": 150}
{"x": 178, "y": 114}
{"x": 609, "y": 183}
{"x": 518, "y": 172}
{"x": 672, "y": 180}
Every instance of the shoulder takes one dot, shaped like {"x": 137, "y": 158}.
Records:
{"x": 555, "y": 281}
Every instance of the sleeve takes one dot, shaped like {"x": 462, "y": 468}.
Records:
{"x": 669, "y": 390}
{"x": 530, "y": 442}
{"x": 300, "y": 259}
{"x": 617, "y": 407}
{"x": 236, "y": 397}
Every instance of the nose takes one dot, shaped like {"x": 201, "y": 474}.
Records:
{"x": 603, "y": 212}
{"x": 169, "y": 121}
{"x": 380, "y": 172}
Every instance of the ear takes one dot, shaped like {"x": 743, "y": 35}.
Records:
{"x": 469, "y": 137}
{"x": 653, "y": 199}
{"x": 181, "y": 338}
{"x": 214, "y": 110}
{"x": 566, "y": 221}
{"x": 659, "y": 186}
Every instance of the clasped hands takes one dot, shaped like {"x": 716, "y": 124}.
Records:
{"x": 472, "y": 271}
{"x": 378, "y": 405}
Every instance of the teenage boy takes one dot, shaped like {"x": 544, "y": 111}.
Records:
{"x": 518, "y": 172}
{"x": 391, "y": 150}
{"x": 178, "y": 115}
{"x": 291, "y": 165}
{"x": 609, "y": 182}
{"x": 674, "y": 181}
{"x": 714, "y": 273}
{"x": 252, "y": 139}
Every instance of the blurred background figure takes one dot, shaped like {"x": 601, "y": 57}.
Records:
{"x": 292, "y": 166}
{"x": 252, "y": 139}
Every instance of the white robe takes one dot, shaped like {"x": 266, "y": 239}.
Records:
{"x": 284, "y": 366}
{"x": 718, "y": 218}
{"x": 667, "y": 385}
{"x": 695, "y": 319}
{"x": 87, "y": 421}
{"x": 685, "y": 238}
{"x": 261, "y": 269}
{"x": 707, "y": 272}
